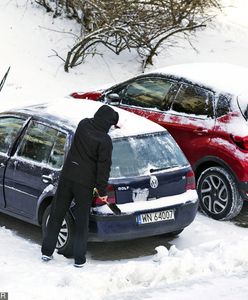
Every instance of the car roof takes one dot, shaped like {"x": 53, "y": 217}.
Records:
{"x": 67, "y": 113}
{"x": 221, "y": 77}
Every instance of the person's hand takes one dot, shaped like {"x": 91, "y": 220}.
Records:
{"x": 103, "y": 198}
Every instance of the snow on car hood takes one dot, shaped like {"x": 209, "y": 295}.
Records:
{"x": 73, "y": 110}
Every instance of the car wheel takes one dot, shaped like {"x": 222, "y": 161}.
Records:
{"x": 219, "y": 197}
{"x": 65, "y": 239}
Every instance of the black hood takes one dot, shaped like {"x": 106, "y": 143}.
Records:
{"x": 105, "y": 117}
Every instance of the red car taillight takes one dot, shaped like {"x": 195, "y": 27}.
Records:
{"x": 241, "y": 142}
{"x": 111, "y": 197}
{"x": 190, "y": 181}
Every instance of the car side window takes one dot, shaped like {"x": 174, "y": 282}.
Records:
{"x": 147, "y": 93}
{"x": 37, "y": 142}
{"x": 223, "y": 106}
{"x": 9, "y": 129}
{"x": 193, "y": 100}
{"x": 58, "y": 152}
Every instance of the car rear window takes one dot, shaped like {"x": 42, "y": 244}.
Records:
{"x": 138, "y": 155}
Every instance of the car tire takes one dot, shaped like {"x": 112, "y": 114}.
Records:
{"x": 219, "y": 197}
{"x": 66, "y": 235}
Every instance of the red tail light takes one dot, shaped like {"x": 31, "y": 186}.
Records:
{"x": 241, "y": 142}
{"x": 190, "y": 181}
{"x": 111, "y": 197}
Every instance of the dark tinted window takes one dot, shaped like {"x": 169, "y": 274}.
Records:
{"x": 148, "y": 92}
{"x": 58, "y": 152}
{"x": 37, "y": 142}
{"x": 193, "y": 100}
{"x": 9, "y": 128}
{"x": 223, "y": 105}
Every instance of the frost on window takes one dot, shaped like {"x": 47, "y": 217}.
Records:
{"x": 223, "y": 105}
{"x": 58, "y": 152}
{"x": 9, "y": 129}
{"x": 37, "y": 143}
{"x": 136, "y": 156}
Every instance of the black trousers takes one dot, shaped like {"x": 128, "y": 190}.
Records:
{"x": 66, "y": 191}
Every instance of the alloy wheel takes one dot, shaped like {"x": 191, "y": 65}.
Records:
{"x": 214, "y": 194}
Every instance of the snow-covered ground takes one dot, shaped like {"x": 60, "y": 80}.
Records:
{"x": 208, "y": 260}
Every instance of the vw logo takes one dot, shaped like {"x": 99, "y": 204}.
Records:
{"x": 154, "y": 182}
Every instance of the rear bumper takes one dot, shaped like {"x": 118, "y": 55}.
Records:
{"x": 125, "y": 227}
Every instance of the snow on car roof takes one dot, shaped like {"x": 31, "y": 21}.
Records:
{"x": 222, "y": 77}
{"x": 71, "y": 111}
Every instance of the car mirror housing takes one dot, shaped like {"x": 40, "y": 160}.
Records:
{"x": 113, "y": 99}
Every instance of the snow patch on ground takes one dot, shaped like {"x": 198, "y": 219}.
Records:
{"x": 33, "y": 279}
{"x": 208, "y": 260}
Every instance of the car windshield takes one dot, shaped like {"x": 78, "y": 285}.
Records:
{"x": 144, "y": 154}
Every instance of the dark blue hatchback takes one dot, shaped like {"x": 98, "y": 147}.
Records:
{"x": 151, "y": 180}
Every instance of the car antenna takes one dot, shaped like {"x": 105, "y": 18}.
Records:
{"x": 4, "y": 79}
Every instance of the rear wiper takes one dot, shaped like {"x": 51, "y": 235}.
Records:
{"x": 161, "y": 169}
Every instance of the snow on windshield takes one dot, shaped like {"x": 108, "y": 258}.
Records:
{"x": 136, "y": 156}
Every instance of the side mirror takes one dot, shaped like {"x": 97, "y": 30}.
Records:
{"x": 113, "y": 99}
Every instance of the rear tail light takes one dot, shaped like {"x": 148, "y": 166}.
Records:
{"x": 241, "y": 142}
{"x": 190, "y": 181}
{"x": 111, "y": 197}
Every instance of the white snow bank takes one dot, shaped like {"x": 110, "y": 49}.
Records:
{"x": 24, "y": 276}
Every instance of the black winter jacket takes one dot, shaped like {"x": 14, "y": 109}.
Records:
{"x": 89, "y": 158}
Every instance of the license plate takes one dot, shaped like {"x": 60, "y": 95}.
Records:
{"x": 153, "y": 217}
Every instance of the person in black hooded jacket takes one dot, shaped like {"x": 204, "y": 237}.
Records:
{"x": 86, "y": 167}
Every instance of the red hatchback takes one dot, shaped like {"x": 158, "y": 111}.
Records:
{"x": 205, "y": 108}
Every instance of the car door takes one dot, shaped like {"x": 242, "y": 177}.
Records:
{"x": 10, "y": 128}
{"x": 34, "y": 166}
{"x": 148, "y": 96}
{"x": 190, "y": 120}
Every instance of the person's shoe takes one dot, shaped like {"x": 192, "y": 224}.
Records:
{"x": 46, "y": 257}
{"x": 78, "y": 265}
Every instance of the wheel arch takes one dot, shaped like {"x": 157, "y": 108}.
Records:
{"x": 211, "y": 161}
{"x": 43, "y": 206}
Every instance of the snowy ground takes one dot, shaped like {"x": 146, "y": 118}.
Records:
{"x": 208, "y": 260}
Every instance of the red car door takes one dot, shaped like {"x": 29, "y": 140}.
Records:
{"x": 190, "y": 120}
{"x": 186, "y": 112}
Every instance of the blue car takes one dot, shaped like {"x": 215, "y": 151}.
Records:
{"x": 151, "y": 181}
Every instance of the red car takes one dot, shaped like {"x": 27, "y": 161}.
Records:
{"x": 204, "y": 107}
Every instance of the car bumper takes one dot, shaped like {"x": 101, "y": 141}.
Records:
{"x": 108, "y": 227}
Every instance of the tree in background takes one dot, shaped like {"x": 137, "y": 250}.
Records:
{"x": 143, "y": 25}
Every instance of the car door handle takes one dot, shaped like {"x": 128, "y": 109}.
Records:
{"x": 47, "y": 178}
{"x": 200, "y": 130}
